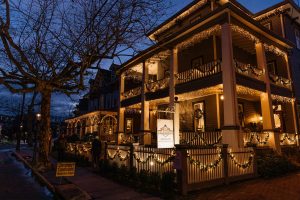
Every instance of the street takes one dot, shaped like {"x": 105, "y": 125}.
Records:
{"x": 16, "y": 181}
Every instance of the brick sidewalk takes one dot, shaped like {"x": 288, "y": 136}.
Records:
{"x": 282, "y": 188}
{"x": 94, "y": 185}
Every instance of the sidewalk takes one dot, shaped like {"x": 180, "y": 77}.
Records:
{"x": 84, "y": 185}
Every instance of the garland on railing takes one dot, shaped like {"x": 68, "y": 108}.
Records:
{"x": 279, "y": 80}
{"x": 242, "y": 68}
{"x": 154, "y": 157}
{"x": 211, "y": 68}
{"x": 127, "y": 139}
{"x": 132, "y": 92}
{"x": 118, "y": 153}
{"x": 206, "y": 167}
{"x": 287, "y": 137}
{"x": 242, "y": 165}
{"x": 199, "y": 135}
{"x": 157, "y": 85}
{"x": 259, "y": 140}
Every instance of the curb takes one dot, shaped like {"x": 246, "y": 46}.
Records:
{"x": 36, "y": 173}
{"x": 58, "y": 190}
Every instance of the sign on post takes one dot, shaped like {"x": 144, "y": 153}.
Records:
{"x": 165, "y": 133}
{"x": 65, "y": 169}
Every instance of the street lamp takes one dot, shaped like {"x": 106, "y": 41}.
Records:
{"x": 38, "y": 117}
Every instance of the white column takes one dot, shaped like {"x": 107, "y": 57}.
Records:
{"x": 231, "y": 129}
{"x": 121, "y": 111}
{"x": 266, "y": 100}
{"x": 145, "y": 118}
{"x": 172, "y": 84}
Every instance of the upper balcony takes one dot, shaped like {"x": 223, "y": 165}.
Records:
{"x": 198, "y": 61}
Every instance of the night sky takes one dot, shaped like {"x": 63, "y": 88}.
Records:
{"x": 62, "y": 105}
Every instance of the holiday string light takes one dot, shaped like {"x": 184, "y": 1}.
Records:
{"x": 267, "y": 15}
{"x": 244, "y": 165}
{"x": 126, "y": 139}
{"x": 118, "y": 154}
{"x": 289, "y": 139}
{"x": 132, "y": 93}
{"x": 244, "y": 33}
{"x": 248, "y": 69}
{"x": 241, "y": 90}
{"x": 199, "y": 37}
{"x": 153, "y": 156}
{"x": 203, "y": 166}
{"x": 282, "y": 99}
{"x": 274, "y": 50}
{"x": 280, "y": 80}
{"x": 179, "y": 18}
{"x": 259, "y": 140}
{"x": 153, "y": 86}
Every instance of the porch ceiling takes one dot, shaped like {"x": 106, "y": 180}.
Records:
{"x": 243, "y": 43}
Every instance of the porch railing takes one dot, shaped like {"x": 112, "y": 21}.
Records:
{"x": 153, "y": 86}
{"x": 132, "y": 93}
{"x": 201, "y": 138}
{"x": 199, "y": 72}
{"x": 153, "y": 159}
{"x": 280, "y": 81}
{"x": 196, "y": 166}
{"x": 249, "y": 70}
{"x": 83, "y": 149}
{"x": 288, "y": 138}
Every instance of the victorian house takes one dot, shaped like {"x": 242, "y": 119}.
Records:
{"x": 220, "y": 70}
{"x": 96, "y": 112}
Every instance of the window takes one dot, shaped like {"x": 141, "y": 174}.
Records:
{"x": 297, "y": 35}
{"x": 272, "y": 68}
{"x": 199, "y": 117}
{"x": 268, "y": 25}
{"x": 129, "y": 125}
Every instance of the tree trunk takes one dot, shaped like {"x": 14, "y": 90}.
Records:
{"x": 44, "y": 134}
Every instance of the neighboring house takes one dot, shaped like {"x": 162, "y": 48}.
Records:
{"x": 219, "y": 69}
{"x": 96, "y": 111}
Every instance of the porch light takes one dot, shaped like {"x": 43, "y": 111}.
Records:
{"x": 222, "y": 97}
{"x": 260, "y": 118}
{"x": 151, "y": 163}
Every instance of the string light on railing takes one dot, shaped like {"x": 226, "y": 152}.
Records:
{"x": 154, "y": 157}
{"x": 281, "y": 98}
{"x": 200, "y": 136}
{"x": 209, "y": 166}
{"x": 290, "y": 140}
{"x": 242, "y": 165}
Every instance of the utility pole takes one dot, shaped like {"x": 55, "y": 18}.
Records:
{"x": 21, "y": 124}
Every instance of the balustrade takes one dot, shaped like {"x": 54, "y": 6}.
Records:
{"x": 249, "y": 70}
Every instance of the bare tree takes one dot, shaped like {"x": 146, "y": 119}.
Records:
{"x": 49, "y": 44}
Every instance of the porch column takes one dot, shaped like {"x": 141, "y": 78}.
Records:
{"x": 160, "y": 71}
{"x": 172, "y": 83}
{"x": 231, "y": 130}
{"x": 145, "y": 117}
{"x": 121, "y": 111}
{"x": 266, "y": 99}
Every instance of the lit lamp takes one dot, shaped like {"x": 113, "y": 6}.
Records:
{"x": 38, "y": 116}
{"x": 260, "y": 118}
{"x": 222, "y": 97}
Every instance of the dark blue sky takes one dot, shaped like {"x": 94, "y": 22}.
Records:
{"x": 62, "y": 105}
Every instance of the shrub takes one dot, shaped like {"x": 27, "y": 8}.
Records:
{"x": 273, "y": 165}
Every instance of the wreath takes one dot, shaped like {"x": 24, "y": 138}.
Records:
{"x": 198, "y": 113}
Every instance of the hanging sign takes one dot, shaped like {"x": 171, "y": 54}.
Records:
{"x": 165, "y": 133}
